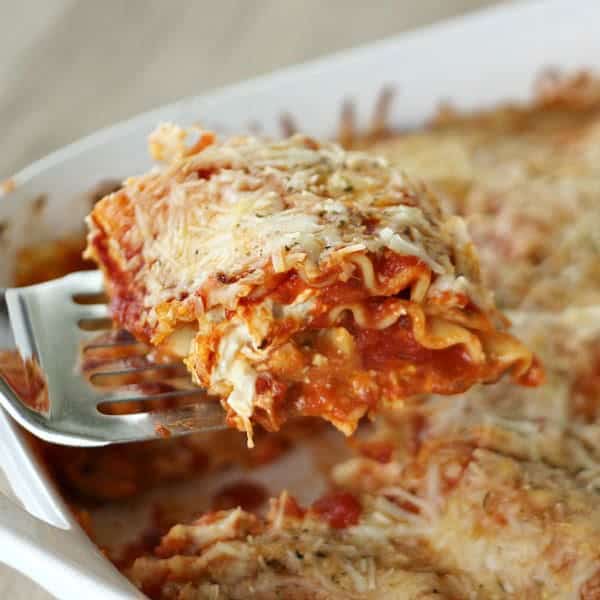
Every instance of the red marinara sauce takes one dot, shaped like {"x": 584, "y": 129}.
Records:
{"x": 379, "y": 451}
{"x": 339, "y": 509}
{"x": 248, "y": 495}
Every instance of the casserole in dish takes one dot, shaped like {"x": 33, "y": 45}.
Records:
{"x": 465, "y": 78}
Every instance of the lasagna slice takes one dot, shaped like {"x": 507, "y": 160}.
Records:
{"x": 295, "y": 278}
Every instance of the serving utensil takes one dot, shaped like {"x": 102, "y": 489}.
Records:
{"x": 75, "y": 400}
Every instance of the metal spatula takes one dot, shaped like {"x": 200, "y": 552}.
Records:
{"x": 55, "y": 324}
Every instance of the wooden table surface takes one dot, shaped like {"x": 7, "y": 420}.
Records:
{"x": 69, "y": 67}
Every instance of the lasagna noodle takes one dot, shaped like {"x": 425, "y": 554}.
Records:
{"x": 238, "y": 252}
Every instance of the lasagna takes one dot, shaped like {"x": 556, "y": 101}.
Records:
{"x": 456, "y": 521}
{"x": 526, "y": 180}
{"x": 298, "y": 279}
{"x": 492, "y": 493}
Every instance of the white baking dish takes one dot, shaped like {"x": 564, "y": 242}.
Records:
{"x": 472, "y": 61}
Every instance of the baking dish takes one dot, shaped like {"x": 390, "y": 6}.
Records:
{"x": 472, "y": 62}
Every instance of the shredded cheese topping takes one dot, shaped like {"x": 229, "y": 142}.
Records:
{"x": 192, "y": 253}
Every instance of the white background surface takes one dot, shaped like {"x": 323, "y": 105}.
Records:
{"x": 69, "y": 67}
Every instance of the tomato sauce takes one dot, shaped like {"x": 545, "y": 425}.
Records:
{"x": 386, "y": 362}
{"x": 49, "y": 260}
{"x": 379, "y": 451}
{"x": 287, "y": 287}
{"x": 338, "y": 509}
{"x": 26, "y": 379}
{"x": 248, "y": 495}
{"x": 284, "y": 288}
{"x": 332, "y": 395}
{"x": 395, "y": 346}
{"x": 377, "y": 364}
{"x": 126, "y": 302}
{"x": 534, "y": 376}
{"x": 389, "y": 264}
{"x": 292, "y": 508}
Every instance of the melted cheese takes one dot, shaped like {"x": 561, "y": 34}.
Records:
{"x": 278, "y": 204}
{"x": 197, "y": 246}
{"x": 527, "y": 180}
{"x": 505, "y": 527}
